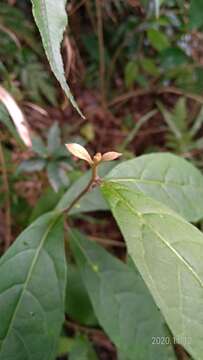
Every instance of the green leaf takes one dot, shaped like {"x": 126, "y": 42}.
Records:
{"x": 167, "y": 178}
{"x": 157, "y": 39}
{"x": 131, "y": 73}
{"x": 32, "y": 291}
{"x": 195, "y": 14}
{"x": 82, "y": 350}
{"x": 47, "y": 202}
{"x": 51, "y": 19}
{"x": 173, "y": 57}
{"x": 168, "y": 252}
{"x": 149, "y": 66}
{"x": 56, "y": 175}
{"x": 78, "y": 305}
{"x": 54, "y": 138}
{"x": 65, "y": 345}
{"x": 122, "y": 302}
{"x": 38, "y": 147}
{"x": 32, "y": 165}
{"x": 92, "y": 201}
{"x": 169, "y": 119}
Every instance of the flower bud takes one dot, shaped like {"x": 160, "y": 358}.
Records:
{"x": 97, "y": 158}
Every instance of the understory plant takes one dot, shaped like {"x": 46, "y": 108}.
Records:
{"x": 147, "y": 304}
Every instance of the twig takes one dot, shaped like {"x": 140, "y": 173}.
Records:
{"x": 77, "y": 7}
{"x": 128, "y": 96}
{"x": 96, "y": 335}
{"x": 155, "y": 91}
{"x": 173, "y": 90}
{"x": 100, "y": 33}
{"x": 107, "y": 242}
{"x": 7, "y": 199}
{"x": 93, "y": 181}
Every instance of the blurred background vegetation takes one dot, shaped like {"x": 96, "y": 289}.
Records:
{"x": 137, "y": 77}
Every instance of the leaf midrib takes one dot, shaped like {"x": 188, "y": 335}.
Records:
{"x": 186, "y": 264}
{"x": 152, "y": 182}
{"x": 49, "y": 42}
{"x": 33, "y": 263}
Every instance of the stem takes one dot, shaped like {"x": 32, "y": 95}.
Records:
{"x": 101, "y": 51}
{"x": 7, "y": 200}
{"x": 93, "y": 181}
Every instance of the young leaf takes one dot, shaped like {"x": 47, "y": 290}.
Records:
{"x": 79, "y": 151}
{"x": 32, "y": 291}
{"x": 167, "y": 178}
{"x": 122, "y": 302}
{"x": 168, "y": 252}
{"x": 51, "y": 19}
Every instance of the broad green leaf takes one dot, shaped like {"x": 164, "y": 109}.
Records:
{"x": 92, "y": 201}
{"x": 158, "y": 39}
{"x": 195, "y": 14}
{"x": 167, "y": 178}
{"x": 173, "y": 57}
{"x": 122, "y": 303}
{"x": 168, "y": 252}
{"x": 51, "y": 19}
{"x": 32, "y": 292}
{"x": 78, "y": 305}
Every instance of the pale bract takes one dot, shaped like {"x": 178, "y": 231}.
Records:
{"x": 81, "y": 153}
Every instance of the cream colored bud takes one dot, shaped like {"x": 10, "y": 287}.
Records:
{"x": 97, "y": 158}
{"x": 80, "y": 152}
{"x": 111, "y": 155}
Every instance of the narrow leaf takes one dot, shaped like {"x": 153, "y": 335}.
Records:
{"x": 51, "y": 19}
{"x": 122, "y": 302}
{"x": 168, "y": 252}
{"x": 166, "y": 178}
{"x": 32, "y": 292}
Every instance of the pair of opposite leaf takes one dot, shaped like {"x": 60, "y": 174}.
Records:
{"x": 81, "y": 153}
